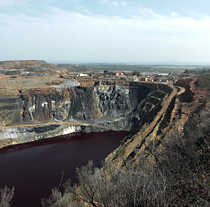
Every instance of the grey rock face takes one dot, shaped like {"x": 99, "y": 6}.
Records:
{"x": 114, "y": 101}
{"x": 105, "y": 105}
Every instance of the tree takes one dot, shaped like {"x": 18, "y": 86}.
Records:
{"x": 180, "y": 177}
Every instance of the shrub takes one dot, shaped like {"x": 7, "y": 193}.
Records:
{"x": 180, "y": 177}
{"x": 6, "y": 196}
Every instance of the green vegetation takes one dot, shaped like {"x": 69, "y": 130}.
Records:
{"x": 203, "y": 81}
{"x": 123, "y": 67}
{"x": 179, "y": 175}
{"x": 198, "y": 71}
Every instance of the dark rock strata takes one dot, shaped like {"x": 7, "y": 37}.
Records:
{"x": 100, "y": 107}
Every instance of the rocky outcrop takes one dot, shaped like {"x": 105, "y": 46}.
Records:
{"x": 10, "y": 108}
{"x": 106, "y": 105}
{"x": 154, "y": 117}
{"x": 94, "y": 104}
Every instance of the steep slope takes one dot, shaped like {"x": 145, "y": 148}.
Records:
{"x": 154, "y": 118}
{"x": 101, "y": 106}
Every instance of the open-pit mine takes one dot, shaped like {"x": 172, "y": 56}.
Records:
{"x": 38, "y": 101}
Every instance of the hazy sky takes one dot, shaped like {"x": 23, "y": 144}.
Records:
{"x": 105, "y": 30}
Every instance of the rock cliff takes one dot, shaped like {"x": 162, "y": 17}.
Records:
{"x": 102, "y": 106}
{"x": 92, "y": 104}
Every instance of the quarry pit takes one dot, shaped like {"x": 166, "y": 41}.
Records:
{"x": 44, "y": 104}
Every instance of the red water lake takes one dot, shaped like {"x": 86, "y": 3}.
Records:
{"x": 35, "y": 168}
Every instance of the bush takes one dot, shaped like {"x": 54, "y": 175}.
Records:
{"x": 53, "y": 198}
{"x": 185, "y": 163}
{"x": 6, "y": 196}
{"x": 180, "y": 177}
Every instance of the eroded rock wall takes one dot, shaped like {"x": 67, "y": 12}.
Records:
{"x": 95, "y": 103}
{"x": 10, "y": 108}
{"x": 153, "y": 119}
{"x": 130, "y": 106}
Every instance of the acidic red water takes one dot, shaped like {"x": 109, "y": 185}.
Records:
{"x": 35, "y": 168}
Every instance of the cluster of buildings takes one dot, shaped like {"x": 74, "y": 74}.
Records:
{"x": 145, "y": 76}
{"x": 152, "y": 76}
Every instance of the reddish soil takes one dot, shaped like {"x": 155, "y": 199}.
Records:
{"x": 201, "y": 97}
